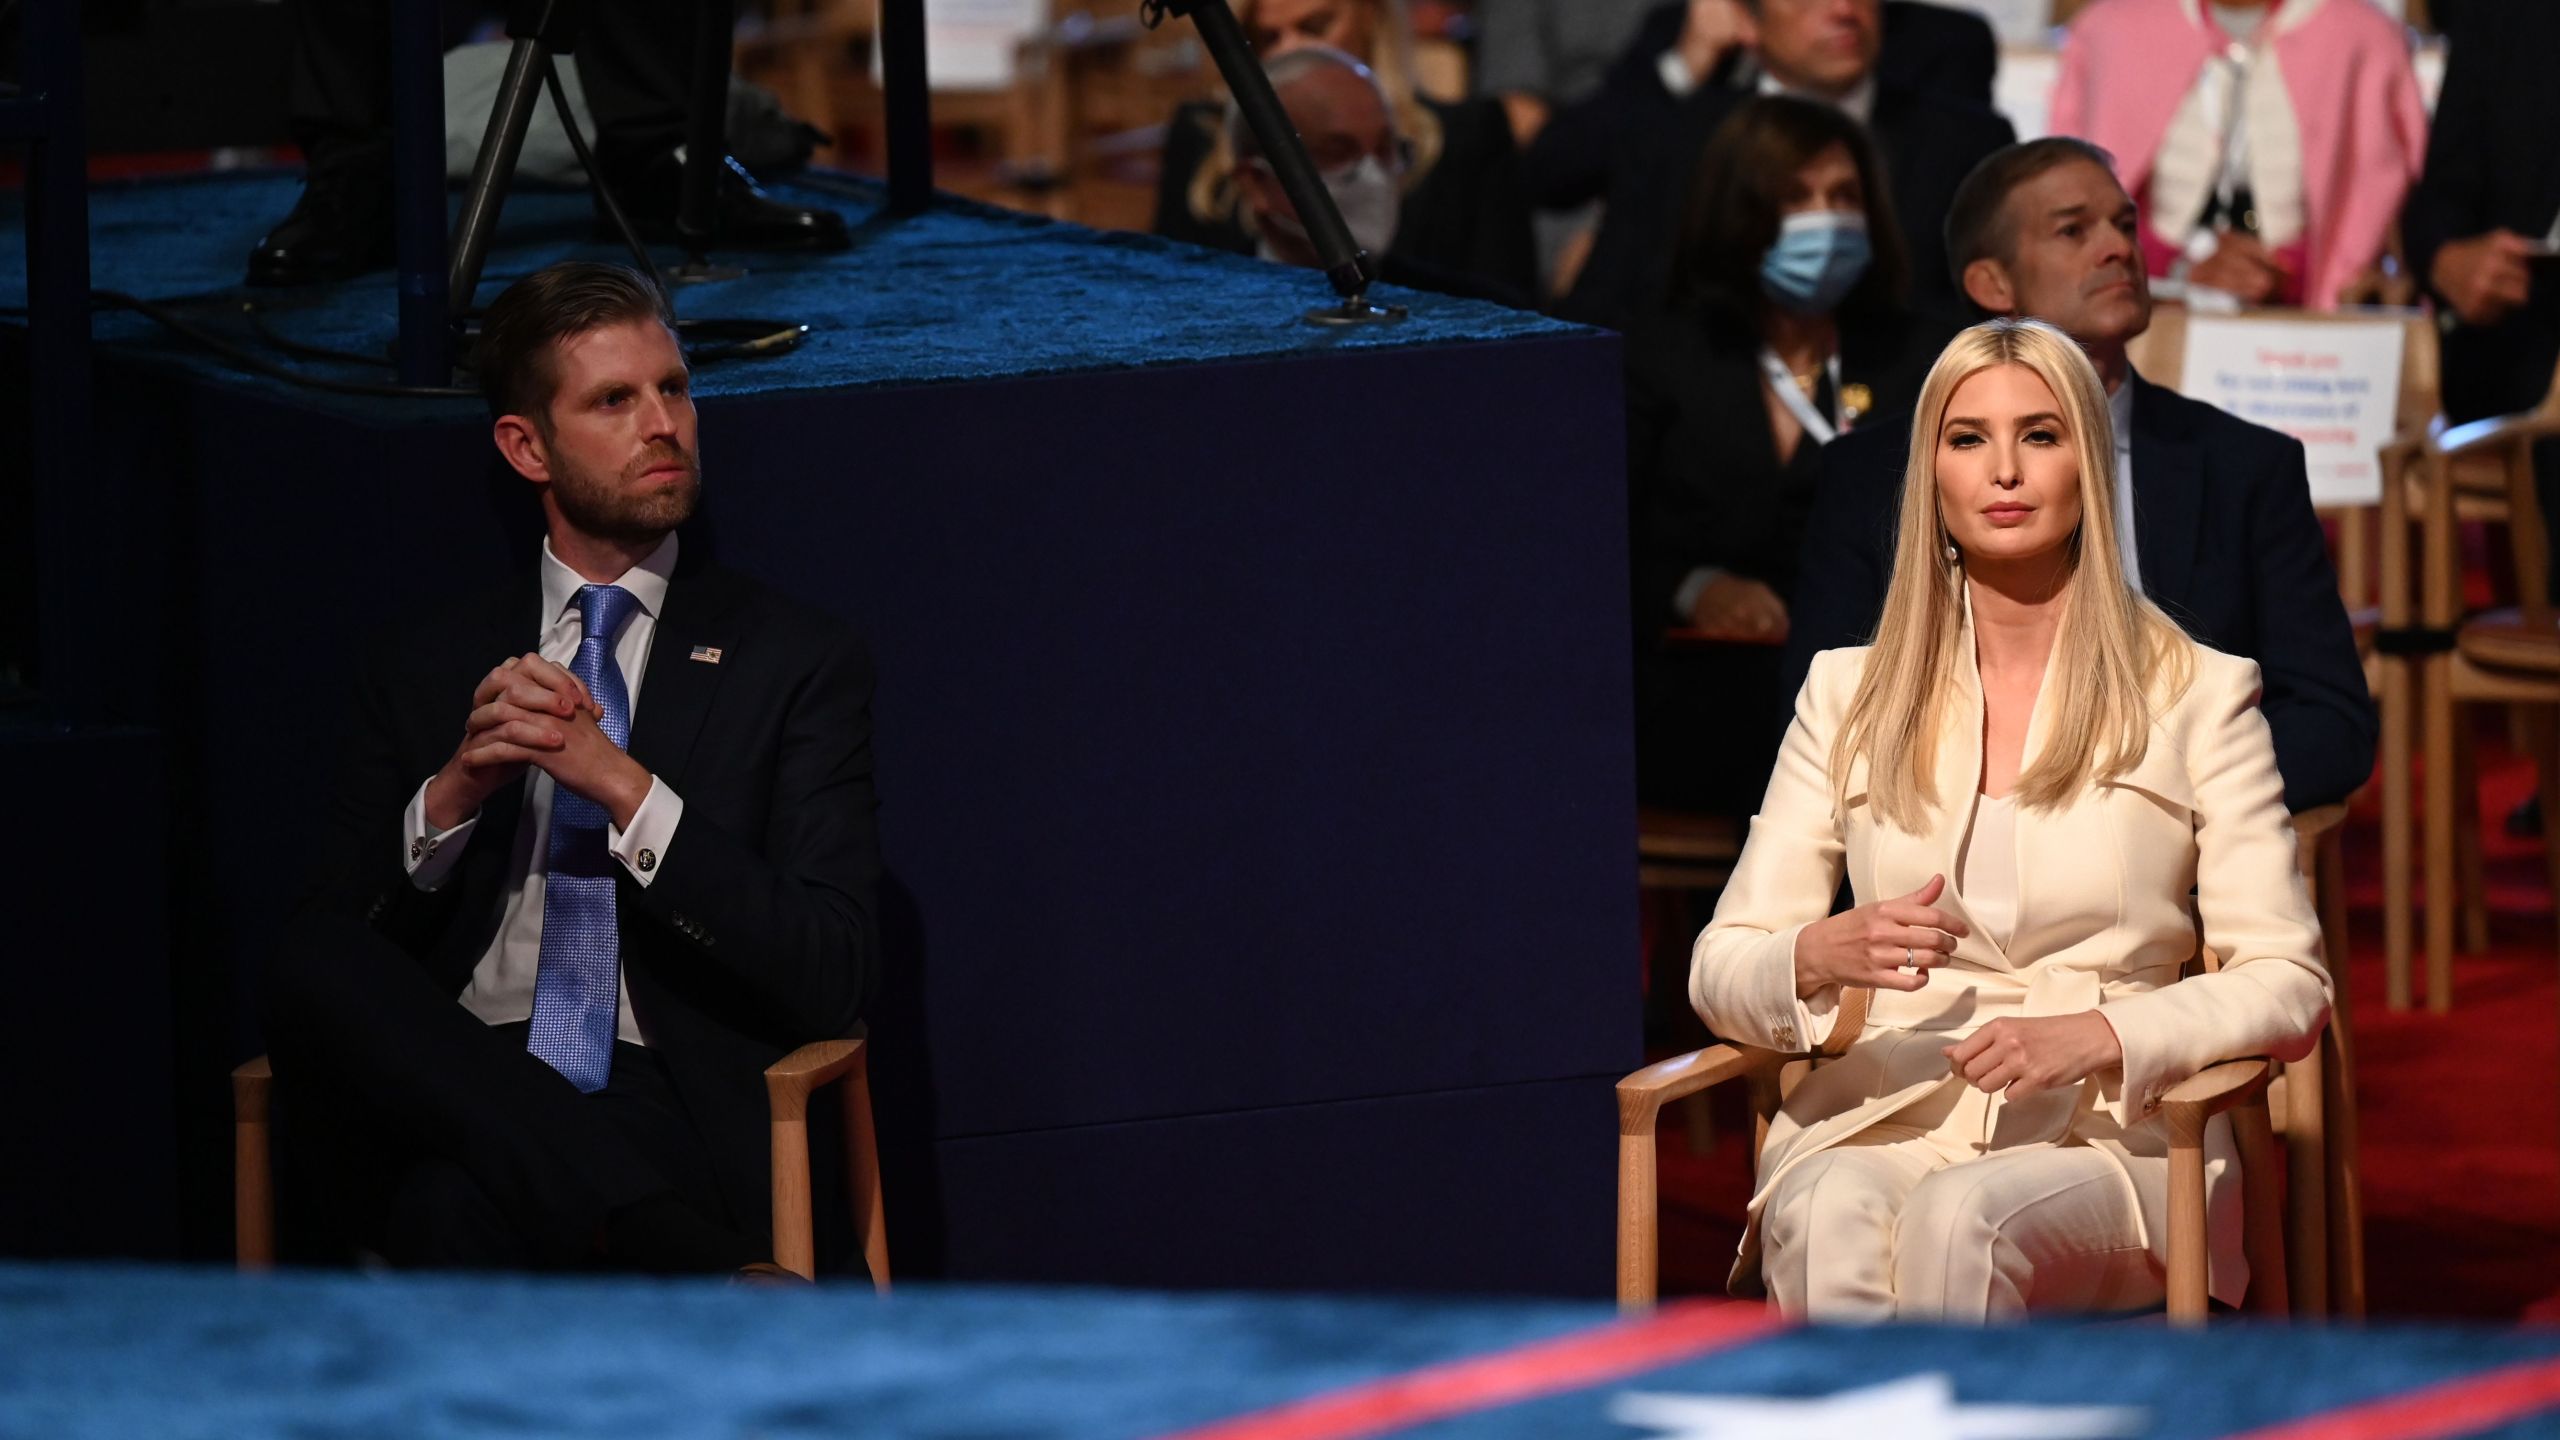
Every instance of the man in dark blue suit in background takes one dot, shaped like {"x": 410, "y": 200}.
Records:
{"x": 2215, "y": 512}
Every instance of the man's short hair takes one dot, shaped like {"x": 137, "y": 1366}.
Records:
{"x": 1977, "y": 227}
{"x": 517, "y": 357}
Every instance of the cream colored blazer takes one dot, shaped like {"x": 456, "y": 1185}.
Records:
{"x": 2104, "y": 922}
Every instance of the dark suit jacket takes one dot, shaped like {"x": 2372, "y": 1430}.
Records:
{"x": 1469, "y": 216}
{"x": 1949, "y": 53}
{"x": 2491, "y": 162}
{"x": 1929, "y": 144}
{"x": 1706, "y": 484}
{"x": 2229, "y": 547}
{"x": 757, "y": 932}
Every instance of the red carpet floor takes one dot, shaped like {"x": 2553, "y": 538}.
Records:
{"x": 2461, "y": 1113}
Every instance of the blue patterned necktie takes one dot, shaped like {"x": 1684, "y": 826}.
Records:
{"x": 576, "y": 990}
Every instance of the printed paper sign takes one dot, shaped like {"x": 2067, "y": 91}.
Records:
{"x": 971, "y": 44}
{"x": 2333, "y": 385}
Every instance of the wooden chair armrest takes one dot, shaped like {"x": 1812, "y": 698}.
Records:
{"x": 2489, "y": 434}
{"x": 1643, "y": 1094}
{"x": 789, "y": 1081}
{"x": 2217, "y": 1088}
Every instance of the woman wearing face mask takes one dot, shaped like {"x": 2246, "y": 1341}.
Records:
{"x": 2040, "y": 790}
{"x": 1785, "y": 323}
{"x": 1461, "y": 209}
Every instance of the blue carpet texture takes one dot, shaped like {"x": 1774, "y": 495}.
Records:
{"x": 961, "y": 292}
{"x": 125, "y": 1352}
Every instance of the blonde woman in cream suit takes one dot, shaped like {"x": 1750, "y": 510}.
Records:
{"x": 2045, "y": 797}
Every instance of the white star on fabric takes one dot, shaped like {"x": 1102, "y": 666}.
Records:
{"x": 1917, "y": 1407}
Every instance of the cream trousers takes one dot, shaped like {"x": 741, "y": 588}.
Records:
{"x": 1906, "y": 1223}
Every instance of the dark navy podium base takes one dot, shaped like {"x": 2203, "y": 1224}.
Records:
{"x": 1252, "y": 733}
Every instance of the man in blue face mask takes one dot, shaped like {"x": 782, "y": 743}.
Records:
{"x": 1338, "y": 110}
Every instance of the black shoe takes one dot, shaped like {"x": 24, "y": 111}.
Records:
{"x": 339, "y": 228}
{"x": 744, "y": 218}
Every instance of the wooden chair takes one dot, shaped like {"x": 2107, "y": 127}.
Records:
{"x": 2435, "y": 481}
{"x": 788, "y": 1084}
{"x": 2238, "y": 1087}
{"x": 2311, "y": 1105}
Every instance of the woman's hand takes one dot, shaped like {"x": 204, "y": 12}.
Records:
{"x": 1873, "y": 944}
{"x": 2024, "y": 1054}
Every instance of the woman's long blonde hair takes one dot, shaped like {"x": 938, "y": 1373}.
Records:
{"x": 1213, "y": 194}
{"x": 2111, "y": 655}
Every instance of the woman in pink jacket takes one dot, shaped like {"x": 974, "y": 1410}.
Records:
{"x": 2269, "y": 142}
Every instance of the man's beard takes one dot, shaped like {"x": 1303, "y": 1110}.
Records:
{"x": 610, "y": 510}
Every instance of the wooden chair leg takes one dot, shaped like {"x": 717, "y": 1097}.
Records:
{"x": 2306, "y": 1154}
{"x": 2188, "y": 1286}
{"x": 2344, "y": 1180}
{"x": 2544, "y": 728}
{"x": 253, "y": 1206}
{"x": 2466, "y": 842}
{"x": 1639, "y": 1206}
{"x": 2269, "y": 1292}
{"x": 862, "y": 1160}
{"x": 794, "y": 1244}
{"x": 2399, "y": 874}
{"x": 2437, "y": 672}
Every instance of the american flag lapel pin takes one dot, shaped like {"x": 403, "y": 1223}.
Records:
{"x": 707, "y": 654}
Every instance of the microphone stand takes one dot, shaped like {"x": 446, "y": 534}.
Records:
{"x": 1346, "y": 265}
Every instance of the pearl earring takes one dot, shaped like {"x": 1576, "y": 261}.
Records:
{"x": 1953, "y": 554}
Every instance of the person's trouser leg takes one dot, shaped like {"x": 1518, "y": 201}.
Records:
{"x": 1826, "y": 1231}
{"x": 2040, "y": 1228}
{"x": 351, "y": 1015}
{"x": 635, "y": 63}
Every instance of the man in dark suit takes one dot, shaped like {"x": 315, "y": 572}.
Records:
{"x": 2480, "y": 226}
{"x": 2214, "y": 512}
{"x": 533, "y": 1032}
{"x": 1907, "y": 71}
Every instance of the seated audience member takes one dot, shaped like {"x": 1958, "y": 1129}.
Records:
{"x": 1342, "y": 115}
{"x": 2268, "y": 142}
{"x": 1636, "y": 143}
{"x": 1786, "y": 324}
{"x": 1535, "y": 55}
{"x": 534, "y": 1033}
{"x": 1462, "y": 210}
{"x": 2213, "y": 513}
{"x": 1989, "y": 775}
{"x": 2480, "y": 229}
{"x": 2482, "y": 224}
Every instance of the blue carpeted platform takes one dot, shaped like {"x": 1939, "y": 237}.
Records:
{"x": 1252, "y": 724}
{"x": 962, "y": 292}
{"x": 118, "y": 1352}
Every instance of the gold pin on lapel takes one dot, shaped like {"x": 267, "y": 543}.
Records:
{"x": 1855, "y": 400}
{"x": 707, "y": 654}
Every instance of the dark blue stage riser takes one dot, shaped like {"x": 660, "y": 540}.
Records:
{"x": 1254, "y": 751}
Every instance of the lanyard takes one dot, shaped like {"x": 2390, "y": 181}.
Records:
{"x": 1799, "y": 404}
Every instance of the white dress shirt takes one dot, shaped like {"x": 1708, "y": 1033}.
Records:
{"x": 1859, "y": 101}
{"x": 2120, "y": 404}
{"x": 501, "y": 989}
